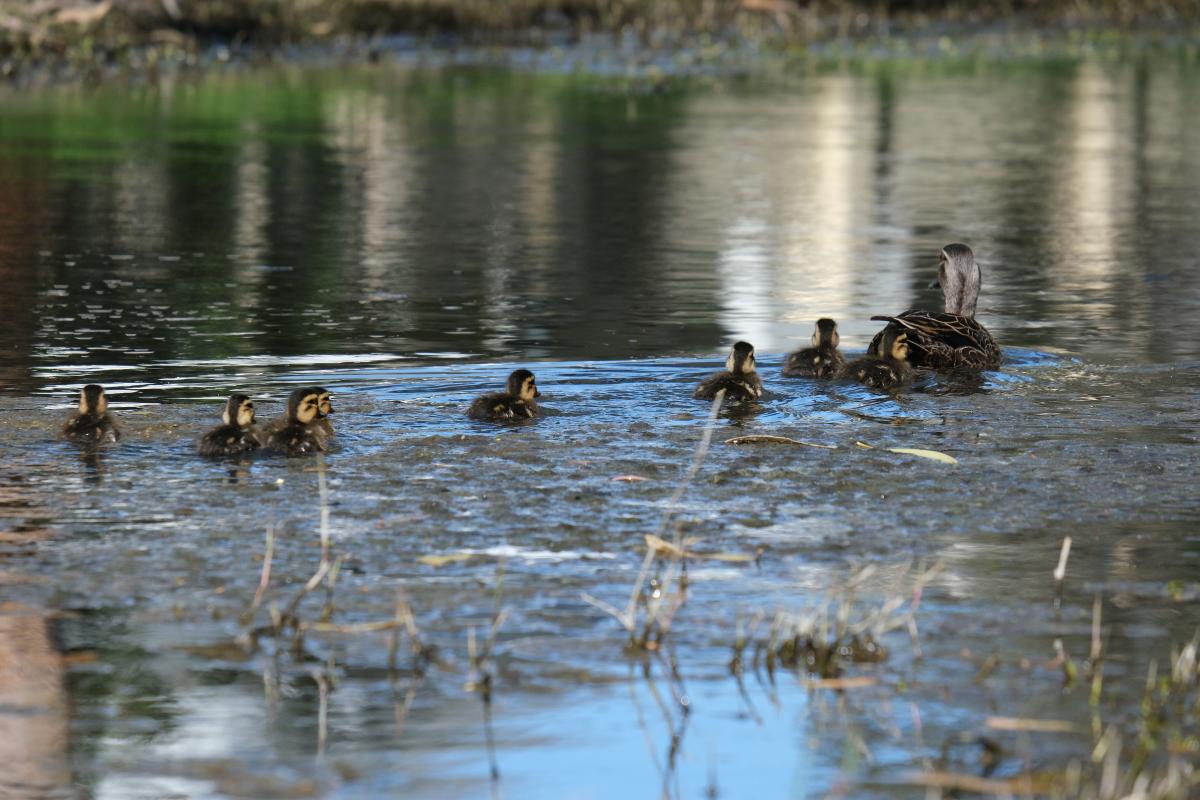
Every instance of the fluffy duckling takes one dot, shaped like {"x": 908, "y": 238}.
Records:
{"x": 889, "y": 371}
{"x": 515, "y": 402}
{"x": 298, "y": 435}
{"x": 324, "y": 409}
{"x": 238, "y": 435}
{"x": 92, "y": 422}
{"x": 822, "y": 360}
{"x": 951, "y": 339}
{"x": 739, "y": 379}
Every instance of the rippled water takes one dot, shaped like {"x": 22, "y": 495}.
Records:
{"x": 406, "y": 237}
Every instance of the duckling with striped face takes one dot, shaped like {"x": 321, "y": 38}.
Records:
{"x": 517, "y": 401}
{"x": 739, "y": 379}
{"x": 238, "y": 435}
{"x": 822, "y": 360}
{"x": 889, "y": 371}
{"x": 298, "y": 435}
{"x": 92, "y": 423}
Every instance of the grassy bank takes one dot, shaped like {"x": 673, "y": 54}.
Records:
{"x": 89, "y": 41}
{"x": 49, "y": 27}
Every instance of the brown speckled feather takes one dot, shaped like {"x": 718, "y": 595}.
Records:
{"x": 745, "y": 386}
{"x": 942, "y": 341}
{"x": 814, "y": 362}
{"x": 499, "y": 407}
{"x": 878, "y": 373}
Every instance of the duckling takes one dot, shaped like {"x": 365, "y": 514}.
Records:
{"x": 92, "y": 423}
{"x": 320, "y": 425}
{"x": 297, "y": 435}
{"x": 822, "y": 360}
{"x": 324, "y": 409}
{"x": 516, "y": 402}
{"x": 883, "y": 372}
{"x": 951, "y": 339}
{"x": 238, "y": 435}
{"x": 739, "y": 379}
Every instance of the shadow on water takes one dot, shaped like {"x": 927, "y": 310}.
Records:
{"x": 407, "y": 237}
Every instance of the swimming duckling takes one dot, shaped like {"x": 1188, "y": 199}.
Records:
{"x": 739, "y": 379}
{"x": 320, "y": 425}
{"x": 822, "y": 360}
{"x": 297, "y": 435}
{"x": 92, "y": 423}
{"x": 324, "y": 409}
{"x": 883, "y": 372}
{"x": 238, "y": 434}
{"x": 516, "y": 402}
{"x": 951, "y": 339}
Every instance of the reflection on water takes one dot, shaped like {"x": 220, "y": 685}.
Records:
{"x": 405, "y": 238}
{"x": 507, "y": 216}
{"x": 33, "y": 709}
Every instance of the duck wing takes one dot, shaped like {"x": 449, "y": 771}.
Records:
{"x": 942, "y": 341}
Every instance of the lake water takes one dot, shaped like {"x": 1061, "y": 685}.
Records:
{"x": 406, "y": 237}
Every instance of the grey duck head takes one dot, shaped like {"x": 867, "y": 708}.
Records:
{"x": 960, "y": 279}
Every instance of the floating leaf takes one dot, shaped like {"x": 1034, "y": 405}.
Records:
{"x": 1023, "y": 785}
{"x": 665, "y": 548}
{"x": 860, "y": 682}
{"x": 1028, "y": 724}
{"x": 914, "y": 451}
{"x": 933, "y": 455}
{"x": 84, "y": 15}
{"x": 444, "y": 559}
{"x": 776, "y": 440}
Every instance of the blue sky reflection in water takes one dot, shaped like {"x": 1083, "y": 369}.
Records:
{"x": 404, "y": 237}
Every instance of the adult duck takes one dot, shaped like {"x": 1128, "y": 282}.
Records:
{"x": 952, "y": 339}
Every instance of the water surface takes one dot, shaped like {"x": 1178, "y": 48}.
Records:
{"x": 406, "y": 237}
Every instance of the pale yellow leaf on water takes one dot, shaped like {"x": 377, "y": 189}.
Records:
{"x": 933, "y": 455}
{"x": 863, "y": 445}
{"x": 84, "y": 14}
{"x": 737, "y": 558}
{"x": 444, "y": 559}
{"x": 1021, "y": 785}
{"x": 1027, "y": 724}
{"x": 860, "y": 682}
{"x": 665, "y": 548}
{"x": 630, "y": 478}
{"x": 776, "y": 440}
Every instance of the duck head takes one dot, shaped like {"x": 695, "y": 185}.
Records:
{"x": 239, "y": 410}
{"x": 825, "y": 334}
{"x": 741, "y": 359}
{"x": 324, "y": 406}
{"x": 304, "y": 405}
{"x": 894, "y": 343}
{"x": 960, "y": 278}
{"x": 522, "y": 385}
{"x": 92, "y": 400}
